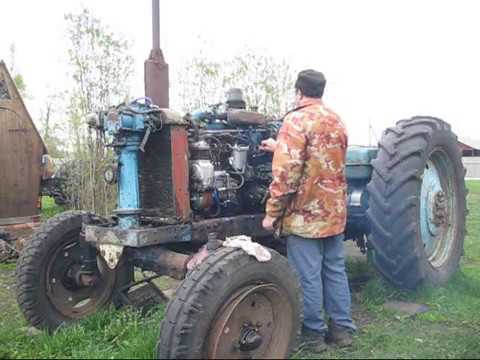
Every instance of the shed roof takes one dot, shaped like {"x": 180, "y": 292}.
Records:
{"x": 9, "y": 92}
{"x": 469, "y": 144}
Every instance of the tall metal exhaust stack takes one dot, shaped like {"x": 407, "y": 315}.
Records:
{"x": 156, "y": 69}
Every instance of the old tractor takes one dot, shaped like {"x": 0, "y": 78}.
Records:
{"x": 187, "y": 183}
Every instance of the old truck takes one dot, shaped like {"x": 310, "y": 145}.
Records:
{"x": 188, "y": 182}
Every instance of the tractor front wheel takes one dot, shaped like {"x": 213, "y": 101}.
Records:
{"x": 51, "y": 287}
{"x": 232, "y": 306}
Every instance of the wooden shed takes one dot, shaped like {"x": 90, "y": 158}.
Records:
{"x": 21, "y": 155}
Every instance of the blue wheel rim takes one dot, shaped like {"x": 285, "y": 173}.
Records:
{"x": 437, "y": 208}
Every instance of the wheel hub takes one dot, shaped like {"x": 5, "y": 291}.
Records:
{"x": 250, "y": 339}
{"x": 249, "y": 325}
{"x": 436, "y": 209}
{"x": 74, "y": 293}
{"x": 439, "y": 209}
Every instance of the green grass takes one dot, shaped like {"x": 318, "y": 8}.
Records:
{"x": 108, "y": 334}
{"x": 451, "y": 329}
{"x": 49, "y": 208}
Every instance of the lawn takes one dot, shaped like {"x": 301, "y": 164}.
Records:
{"x": 451, "y": 328}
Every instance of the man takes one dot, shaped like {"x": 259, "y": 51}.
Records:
{"x": 308, "y": 205}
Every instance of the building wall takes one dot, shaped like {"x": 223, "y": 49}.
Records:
{"x": 21, "y": 151}
{"x": 472, "y": 164}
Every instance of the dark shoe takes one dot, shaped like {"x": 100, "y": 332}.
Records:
{"x": 314, "y": 341}
{"x": 339, "y": 335}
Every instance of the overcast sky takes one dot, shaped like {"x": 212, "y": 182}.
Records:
{"x": 384, "y": 60}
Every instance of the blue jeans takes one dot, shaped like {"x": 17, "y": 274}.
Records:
{"x": 320, "y": 264}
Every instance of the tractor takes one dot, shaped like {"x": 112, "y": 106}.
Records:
{"x": 188, "y": 184}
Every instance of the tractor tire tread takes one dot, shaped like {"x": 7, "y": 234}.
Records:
{"x": 397, "y": 170}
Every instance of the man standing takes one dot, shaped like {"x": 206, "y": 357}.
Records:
{"x": 308, "y": 205}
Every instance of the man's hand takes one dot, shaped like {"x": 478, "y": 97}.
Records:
{"x": 268, "y": 145}
{"x": 268, "y": 223}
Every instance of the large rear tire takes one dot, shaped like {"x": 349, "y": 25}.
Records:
{"x": 233, "y": 306}
{"x": 47, "y": 289}
{"x": 417, "y": 207}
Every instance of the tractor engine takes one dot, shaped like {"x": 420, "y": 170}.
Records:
{"x": 176, "y": 169}
{"x": 228, "y": 173}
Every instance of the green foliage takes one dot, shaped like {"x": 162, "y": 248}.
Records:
{"x": 101, "y": 67}
{"x": 49, "y": 208}
{"x": 266, "y": 82}
{"x": 106, "y": 335}
{"x": 17, "y": 77}
{"x": 20, "y": 84}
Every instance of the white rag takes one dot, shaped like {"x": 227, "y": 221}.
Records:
{"x": 251, "y": 248}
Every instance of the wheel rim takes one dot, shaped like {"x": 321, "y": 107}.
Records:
{"x": 70, "y": 299}
{"x": 256, "y": 322}
{"x": 437, "y": 208}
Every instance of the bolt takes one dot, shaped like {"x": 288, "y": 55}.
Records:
{"x": 65, "y": 254}
{"x": 54, "y": 281}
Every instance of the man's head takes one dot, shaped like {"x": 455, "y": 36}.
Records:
{"x": 310, "y": 84}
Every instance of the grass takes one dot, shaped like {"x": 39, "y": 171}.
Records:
{"x": 49, "y": 208}
{"x": 107, "y": 335}
{"x": 451, "y": 329}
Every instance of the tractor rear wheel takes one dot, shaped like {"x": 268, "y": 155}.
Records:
{"x": 51, "y": 288}
{"x": 417, "y": 205}
{"x": 232, "y": 306}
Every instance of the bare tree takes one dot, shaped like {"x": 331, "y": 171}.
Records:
{"x": 101, "y": 67}
{"x": 266, "y": 82}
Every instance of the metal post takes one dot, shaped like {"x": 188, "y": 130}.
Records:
{"x": 156, "y": 69}
{"x": 156, "y": 24}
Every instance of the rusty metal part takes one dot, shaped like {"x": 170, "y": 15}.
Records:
{"x": 255, "y": 322}
{"x": 440, "y": 209}
{"x": 138, "y": 237}
{"x": 76, "y": 295}
{"x": 180, "y": 172}
{"x": 159, "y": 260}
{"x": 20, "y": 222}
{"x": 250, "y": 225}
{"x": 87, "y": 280}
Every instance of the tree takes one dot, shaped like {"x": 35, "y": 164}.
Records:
{"x": 267, "y": 83}
{"x": 50, "y": 128}
{"x": 17, "y": 77}
{"x": 101, "y": 67}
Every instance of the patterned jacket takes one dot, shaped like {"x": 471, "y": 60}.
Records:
{"x": 308, "y": 191}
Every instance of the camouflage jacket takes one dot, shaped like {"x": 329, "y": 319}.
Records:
{"x": 308, "y": 191}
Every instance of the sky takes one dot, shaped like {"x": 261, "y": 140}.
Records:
{"x": 384, "y": 60}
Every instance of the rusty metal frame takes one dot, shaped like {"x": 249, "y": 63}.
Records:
{"x": 198, "y": 232}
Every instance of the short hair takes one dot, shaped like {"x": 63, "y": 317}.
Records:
{"x": 311, "y": 83}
